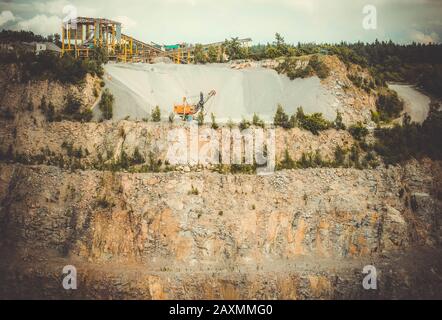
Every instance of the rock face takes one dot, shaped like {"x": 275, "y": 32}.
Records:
{"x": 294, "y": 234}
{"x": 16, "y": 94}
{"x": 104, "y": 142}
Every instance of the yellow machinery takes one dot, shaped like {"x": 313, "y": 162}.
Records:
{"x": 188, "y": 110}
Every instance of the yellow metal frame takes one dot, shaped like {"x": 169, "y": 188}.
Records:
{"x": 125, "y": 49}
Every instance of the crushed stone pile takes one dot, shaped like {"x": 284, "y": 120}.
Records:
{"x": 138, "y": 88}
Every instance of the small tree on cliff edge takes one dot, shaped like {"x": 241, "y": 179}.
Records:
{"x": 106, "y": 104}
{"x": 281, "y": 119}
{"x": 156, "y": 114}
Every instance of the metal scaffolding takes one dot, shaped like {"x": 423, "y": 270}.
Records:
{"x": 81, "y": 36}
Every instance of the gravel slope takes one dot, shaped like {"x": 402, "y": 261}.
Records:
{"x": 140, "y": 87}
{"x": 416, "y": 105}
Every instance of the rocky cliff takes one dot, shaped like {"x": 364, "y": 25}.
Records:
{"x": 294, "y": 234}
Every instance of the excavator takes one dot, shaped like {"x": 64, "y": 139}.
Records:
{"x": 188, "y": 110}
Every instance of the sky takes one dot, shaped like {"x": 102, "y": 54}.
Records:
{"x": 206, "y": 21}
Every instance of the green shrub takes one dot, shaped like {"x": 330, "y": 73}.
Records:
{"x": 244, "y": 124}
{"x": 199, "y": 54}
{"x": 290, "y": 67}
{"x": 73, "y": 152}
{"x": 200, "y": 118}
{"x": 338, "y": 124}
{"x": 389, "y": 105}
{"x": 257, "y": 121}
{"x": 375, "y": 117}
{"x": 212, "y": 54}
{"x": 156, "y": 114}
{"x": 123, "y": 162}
{"x": 214, "y": 124}
{"x": 72, "y": 104}
{"x": 106, "y": 104}
{"x": 339, "y": 156}
{"x": 320, "y": 68}
{"x": 281, "y": 119}
{"x": 103, "y": 203}
{"x": 287, "y": 162}
{"x": 48, "y": 110}
{"x": 311, "y": 160}
{"x": 243, "y": 169}
{"x": 411, "y": 140}
{"x": 358, "y": 131}
{"x": 193, "y": 191}
{"x": 154, "y": 163}
{"x": 71, "y": 111}
{"x": 370, "y": 160}
{"x": 137, "y": 158}
{"x": 313, "y": 123}
{"x": 354, "y": 156}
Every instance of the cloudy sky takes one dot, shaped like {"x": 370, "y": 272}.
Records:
{"x": 205, "y": 21}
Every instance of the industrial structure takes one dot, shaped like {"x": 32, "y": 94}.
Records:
{"x": 81, "y": 36}
{"x": 188, "y": 109}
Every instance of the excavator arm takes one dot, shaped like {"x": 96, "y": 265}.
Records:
{"x": 203, "y": 101}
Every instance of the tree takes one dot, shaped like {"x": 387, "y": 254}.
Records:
{"x": 199, "y": 54}
{"x": 214, "y": 124}
{"x": 389, "y": 105}
{"x": 212, "y": 54}
{"x": 200, "y": 118}
{"x": 230, "y": 123}
{"x": 57, "y": 40}
{"x": 300, "y": 114}
{"x": 281, "y": 47}
{"x": 256, "y": 120}
{"x": 156, "y": 114}
{"x": 281, "y": 119}
{"x": 233, "y": 49}
{"x": 106, "y": 104}
{"x": 244, "y": 124}
{"x": 338, "y": 124}
{"x": 287, "y": 162}
{"x": 100, "y": 55}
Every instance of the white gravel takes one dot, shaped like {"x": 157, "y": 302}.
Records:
{"x": 416, "y": 104}
{"x": 138, "y": 88}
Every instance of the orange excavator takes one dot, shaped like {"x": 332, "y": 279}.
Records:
{"x": 188, "y": 110}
